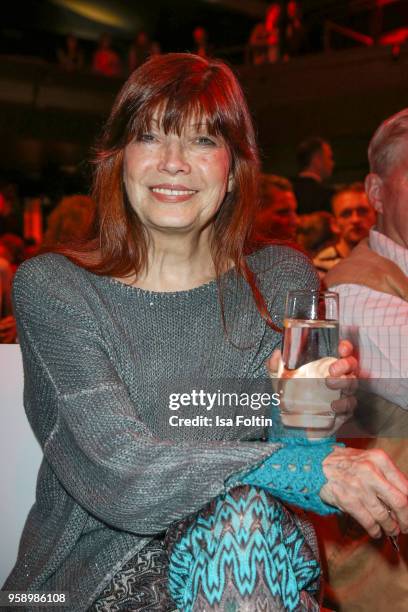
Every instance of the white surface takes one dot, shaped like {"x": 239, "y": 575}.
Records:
{"x": 20, "y": 458}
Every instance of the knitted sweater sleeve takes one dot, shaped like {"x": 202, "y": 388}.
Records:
{"x": 102, "y": 453}
{"x": 294, "y": 474}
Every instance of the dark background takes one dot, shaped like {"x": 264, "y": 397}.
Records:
{"x": 49, "y": 119}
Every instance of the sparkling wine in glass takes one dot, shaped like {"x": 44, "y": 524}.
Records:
{"x": 310, "y": 344}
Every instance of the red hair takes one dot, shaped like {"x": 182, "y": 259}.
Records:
{"x": 177, "y": 87}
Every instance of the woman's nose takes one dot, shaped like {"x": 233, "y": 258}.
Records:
{"x": 173, "y": 158}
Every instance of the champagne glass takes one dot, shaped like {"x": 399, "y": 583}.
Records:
{"x": 310, "y": 345}
{"x": 311, "y": 327}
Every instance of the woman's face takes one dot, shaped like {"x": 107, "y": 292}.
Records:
{"x": 176, "y": 184}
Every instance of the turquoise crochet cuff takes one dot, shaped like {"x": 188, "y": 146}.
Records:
{"x": 293, "y": 474}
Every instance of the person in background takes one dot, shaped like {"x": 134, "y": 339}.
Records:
{"x": 277, "y": 216}
{"x": 373, "y": 287}
{"x": 106, "y": 60}
{"x": 264, "y": 39}
{"x": 294, "y": 31}
{"x": 8, "y": 330}
{"x": 10, "y": 219}
{"x": 11, "y": 256}
{"x": 272, "y": 26}
{"x": 353, "y": 217}
{"x": 315, "y": 162}
{"x": 31, "y": 248}
{"x": 141, "y": 49}
{"x": 71, "y": 219}
{"x": 201, "y": 46}
{"x": 12, "y": 248}
{"x": 70, "y": 56}
{"x": 314, "y": 231}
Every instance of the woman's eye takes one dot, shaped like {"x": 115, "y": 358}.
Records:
{"x": 206, "y": 141}
{"x": 148, "y": 137}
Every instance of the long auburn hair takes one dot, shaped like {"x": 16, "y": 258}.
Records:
{"x": 177, "y": 87}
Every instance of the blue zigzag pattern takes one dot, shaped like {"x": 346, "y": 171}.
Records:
{"x": 240, "y": 537}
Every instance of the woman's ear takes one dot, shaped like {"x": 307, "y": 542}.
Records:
{"x": 373, "y": 187}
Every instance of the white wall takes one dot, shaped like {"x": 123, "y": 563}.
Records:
{"x": 20, "y": 457}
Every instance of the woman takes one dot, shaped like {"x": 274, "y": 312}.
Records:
{"x": 163, "y": 291}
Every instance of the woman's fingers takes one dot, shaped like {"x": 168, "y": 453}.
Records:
{"x": 376, "y": 520}
{"x": 392, "y": 473}
{"x": 345, "y": 405}
{"x": 348, "y": 499}
{"x": 392, "y": 489}
{"x": 380, "y": 507}
{"x": 344, "y": 367}
{"x": 347, "y": 364}
{"x": 369, "y": 487}
{"x": 342, "y": 374}
{"x": 366, "y": 520}
{"x": 347, "y": 384}
{"x": 345, "y": 348}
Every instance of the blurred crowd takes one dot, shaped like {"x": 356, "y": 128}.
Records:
{"x": 280, "y": 36}
{"x": 109, "y": 62}
{"x": 22, "y": 236}
{"x": 285, "y": 31}
{"x": 106, "y": 59}
{"x": 326, "y": 221}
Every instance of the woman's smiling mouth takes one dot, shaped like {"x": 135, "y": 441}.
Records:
{"x": 172, "y": 193}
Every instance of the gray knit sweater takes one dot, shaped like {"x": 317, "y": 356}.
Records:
{"x": 97, "y": 355}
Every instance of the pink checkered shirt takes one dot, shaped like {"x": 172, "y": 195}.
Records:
{"x": 377, "y": 325}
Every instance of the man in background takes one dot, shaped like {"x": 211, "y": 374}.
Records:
{"x": 367, "y": 574}
{"x": 315, "y": 163}
{"x": 353, "y": 216}
{"x": 277, "y": 215}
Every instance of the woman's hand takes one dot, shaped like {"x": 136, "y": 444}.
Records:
{"x": 367, "y": 485}
{"x": 344, "y": 367}
{"x": 343, "y": 376}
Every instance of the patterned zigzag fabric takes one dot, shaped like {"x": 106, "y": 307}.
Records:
{"x": 141, "y": 584}
{"x": 244, "y": 552}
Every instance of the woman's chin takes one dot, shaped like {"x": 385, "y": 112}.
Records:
{"x": 174, "y": 224}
